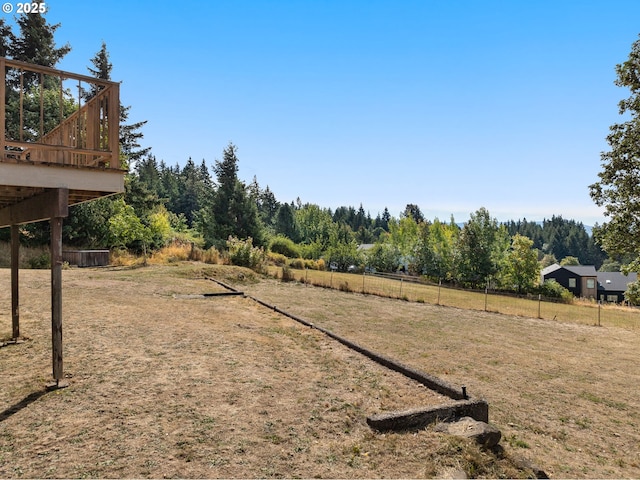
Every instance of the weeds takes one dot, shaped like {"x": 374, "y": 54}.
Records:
{"x": 516, "y": 442}
{"x": 287, "y": 274}
{"x": 604, "y": 401}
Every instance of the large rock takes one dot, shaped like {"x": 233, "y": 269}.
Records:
{"x": 486, "y": 435}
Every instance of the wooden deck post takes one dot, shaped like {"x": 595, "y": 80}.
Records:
{"x": 36, "y": 182}
{"x": 3, "y": 115}
{"x": 56, "y": 298}
{"x": 15, "y": 291}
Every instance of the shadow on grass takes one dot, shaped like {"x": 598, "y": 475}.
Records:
{"x": 24, "y": 403}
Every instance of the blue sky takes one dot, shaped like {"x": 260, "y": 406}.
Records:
{"x": 450, "y": 105}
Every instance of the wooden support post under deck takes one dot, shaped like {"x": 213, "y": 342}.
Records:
{"x": 15, "y": 295}
{"x": 56, "y": 297}
{"x": 3, "y": 108}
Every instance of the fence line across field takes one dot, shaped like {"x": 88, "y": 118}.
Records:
{"x": 414, "y": 289}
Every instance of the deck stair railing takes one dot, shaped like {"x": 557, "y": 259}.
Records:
{"x": 78, "y": 138}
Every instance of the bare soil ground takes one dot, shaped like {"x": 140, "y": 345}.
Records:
{"x": 167, "y": 384}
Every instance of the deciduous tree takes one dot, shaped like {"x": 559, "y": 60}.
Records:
{"x": 521, "y": 268}
{"x": 618, "y": 187}
{"x": 481, "y": 248}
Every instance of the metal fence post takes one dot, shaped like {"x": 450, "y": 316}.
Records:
{"x": 486, "y": 297}
{"x": 539, "y": 304}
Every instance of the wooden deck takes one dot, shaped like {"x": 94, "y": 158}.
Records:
{"x": 59, "y": 145}
{"x": 47, "y": 146}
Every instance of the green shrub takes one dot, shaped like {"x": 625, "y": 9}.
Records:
{"x": 297, "y": 263}
{"x": 313, "y": 250}
{"x": 243, "y": 254}
{"x": 42, "y": 260}
{"x": 212, "y": 255}
{"x": 277, "y": 259}
{"x": 284, "y": 246}
{"x": 553, "y": 289}
{"x": 632, "y": 295}
{"x": 287, "y": 274}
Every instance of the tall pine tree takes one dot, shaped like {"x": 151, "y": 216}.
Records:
{"x": 232, "y": 212}
{"x": 130, "y": 134}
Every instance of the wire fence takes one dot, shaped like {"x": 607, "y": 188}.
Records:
{"x": 414, "y": 289}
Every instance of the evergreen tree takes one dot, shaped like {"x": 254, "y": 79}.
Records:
{"x": 232, "y": 211}
{"x": 285, "y": 222}
{"x": 102, "y": 70}
{"x": 413, "y": 211}
{"x": 148, "y": 172}
{"x": 130, "y": 134}
{"x": 36, "y": 43}
{"x": 268, "y": 208}
{"x": 170, "y": 186}
{"x": 138, "y": 194}
{"x": 386, "y": 217}
{"x": 6, "y": 38}
{"x": 191, "y": 192}
{"x": 360, "y": 219}
{"x": 141, "y": 198}
{"x": 87, "y": 225}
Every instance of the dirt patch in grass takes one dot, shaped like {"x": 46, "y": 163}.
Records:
{"x": 165, "y": 384}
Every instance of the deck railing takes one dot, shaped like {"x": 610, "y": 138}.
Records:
{"x": 75, "y": 132}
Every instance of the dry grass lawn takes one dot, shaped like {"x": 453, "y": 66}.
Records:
{"x": 564, "y": 394}
{"x": 167, "y": 384}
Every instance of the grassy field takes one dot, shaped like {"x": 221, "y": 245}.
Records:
{"x": 584, "y": 312}
{"x": 559, "y": 391}
{"x": 166, "y": 383}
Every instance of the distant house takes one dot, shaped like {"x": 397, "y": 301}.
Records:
{"x": 612, "y": 285}
{"x": 584, "y": 282}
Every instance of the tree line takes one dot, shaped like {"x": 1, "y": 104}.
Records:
{"x": 208, "y": 205}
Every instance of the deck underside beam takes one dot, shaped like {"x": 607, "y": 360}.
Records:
{"x": 50, "y": 176}
{"x": 50, "y": 204}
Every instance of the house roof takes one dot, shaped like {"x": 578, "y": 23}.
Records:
{"x": 550, "y": 269}
{"x": 580, "y": 270}
{"x": 615, "y": 281}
